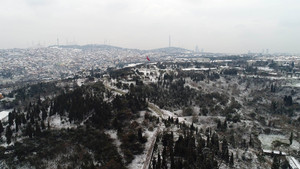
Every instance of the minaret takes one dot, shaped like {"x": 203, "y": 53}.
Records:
{"x": 169, "y": 41}
{"x": 196, "y": 49}
{"x": 57, "y": 42}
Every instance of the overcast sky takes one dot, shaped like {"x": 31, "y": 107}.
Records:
{"x": 233, "y": 26}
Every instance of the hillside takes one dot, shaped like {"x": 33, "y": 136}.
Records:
{"x": 161, "y": 115}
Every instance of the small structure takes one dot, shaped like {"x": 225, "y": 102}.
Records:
{"x": 1, "y": 96}
{"x": 294, "y": 163}
{"x": 274, "y": 152}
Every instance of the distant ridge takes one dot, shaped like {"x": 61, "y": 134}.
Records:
{"x": 89, "y": 46}
{"x": 170, "y": 50}
{"x": 108, "y": 47}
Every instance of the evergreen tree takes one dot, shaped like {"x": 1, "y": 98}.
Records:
{"x": 140, "y": 135}
{"x": 48, "y": 125}
{"x": 11, "y": 118}
{"x": 225, "y": 125}
{"x": 179, "y": 146}
{"x": 274, "y": 106}
{"x": 17, "y": 127}
{"x": 23, "y": 119}
{"x": 172, "y": 158}
{"x": 32, "y": 118}
{"x": 43, "y": 125}
{"x": 276, "y": 163}
{"x": 219, "y": 125}
{"x": 164, "y": 161}
{"x": 37, "y": 129}
{"x": 291, "y": 138}
{"x": 231, "y": 162}
{"x": 285, "y": 164}
{"x": 29, "y": 130}
{"x": 165, "y": 140}
{"x": 232, "y": 140}
{"x": 44, "y": 114}
{"x": 164, "y": 156}
{"x": 244, "y": 143}
{"x": 8, "y": 134}
{"x": 192, "y": 127}
{"x": 1, "y": 128}
{"x": 272, "y": 88}
{"x": 153, "y": 163}
{"x": 18, "y": 122}
{"x": 158, "y": 161}
{"x": 225, "y": 154}
{"x": 207, "y": 141}
{"x": 215, "y": 142}
{"x": 179, "y": 164}
{"x": 250, "y": 141}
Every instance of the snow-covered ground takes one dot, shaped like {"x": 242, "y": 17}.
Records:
{"x": 273, "y": 78}
{"x": 295, "y": 85}
{"x": 267, "y": 69}
{"x": 57, "y": 122}
{"x": 293, "y": 162}
{"x": 4, "y": 114}
{"x": 115, "y": 89}
{"x": 140, "y": 160}
{"x": 80, "y": 82}
{"x": 266, "y": 141}
{"x": 203, "y": 68}
{"x": 295, "y": 145}
{"x": 133, "y": 65}
{"x": 113, "y": 135}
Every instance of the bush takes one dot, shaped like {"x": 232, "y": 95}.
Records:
{"x": 128, "y": 156}
{"x": 236, "y": 118}
{"x": 267, "y": 131}
{"x": 188, "y": 111}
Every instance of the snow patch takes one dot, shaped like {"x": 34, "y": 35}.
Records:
{"x": 58, "y": 122}
{"x": 113, "y": 135}
{"x": 266, "y": 140}
{"x": 4, "y": 114}
{"x": 80, "y": 82}
{"x": 133, "y": 65}
{"x": 140, "y": 160}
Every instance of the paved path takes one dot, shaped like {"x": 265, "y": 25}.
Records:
{"x": 153, "y": 141}
{"x": 150, "y": 151}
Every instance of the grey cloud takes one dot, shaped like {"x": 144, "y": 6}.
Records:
{"x": 217, "y": 26}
